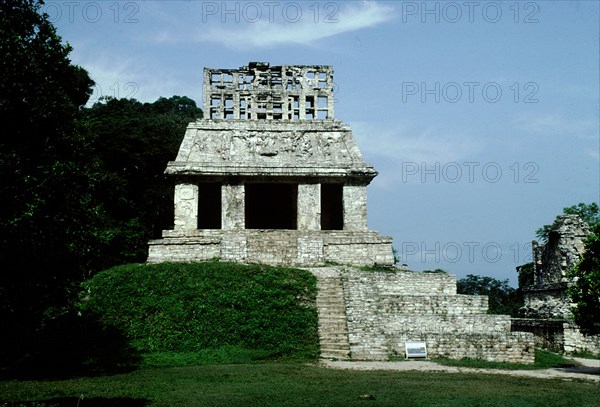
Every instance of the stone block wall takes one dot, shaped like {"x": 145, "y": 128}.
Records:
{"x": 576, "y": 341}
{"x": 558, "y": 335}
{"x": 357, "y": 248}
{"x": 272, "y": 248}
{"x": 386, "y": 309}
{"x": 400, "y": 283}
{"x": 549, "y": 302}
{"x": 548, "y": 334}
{"x": 277, "y": 247}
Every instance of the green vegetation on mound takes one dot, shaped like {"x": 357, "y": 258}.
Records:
{"x": 255, "y": 311}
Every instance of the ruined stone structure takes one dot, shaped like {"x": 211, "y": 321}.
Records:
{"x": 547, "y": 297}
{"x": 370, "y": 316}
{"x": 547, "y": 310}
{"x": 269, "y": 176}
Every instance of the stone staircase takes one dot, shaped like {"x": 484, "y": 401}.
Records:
{"x": 333, "y": 327}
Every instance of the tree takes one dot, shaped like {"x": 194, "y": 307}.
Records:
{"x": 80, "y": 187}
{"x": 133, "y": 143}
{"x": 526, "y": 275}
{"x": 588, "y": 212}
{"x": 585, "y": 293}
{"x": 503, "y": 299}
{"x": 48, "y": 215}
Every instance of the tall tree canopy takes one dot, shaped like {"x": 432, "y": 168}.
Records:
{"x": 134, "y": 142}
{"x": 503, "y": 299}
{"x": 45, "y": 191}
{"x": 82, "y": 188}
{"x": 48, "y": 215}
{"x": 586, "y": 290}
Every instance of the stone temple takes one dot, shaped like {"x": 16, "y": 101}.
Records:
{"x": 269, "y": 176}
{"x": 547, "y": 311}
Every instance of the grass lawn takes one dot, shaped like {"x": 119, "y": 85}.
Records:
{"x": 295, "y": 384}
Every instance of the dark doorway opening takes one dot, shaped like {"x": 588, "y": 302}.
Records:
{"x": 271, "y": 206}
{"x": 209, "y": 206}
{"x": 332, "y": 207}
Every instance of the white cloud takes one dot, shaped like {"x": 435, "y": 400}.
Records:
{"x": 303, "y": 26}
{"x": 407, "y": 144}
{"x": 595, "y": 154}
{"x": 123, "y": 77}
{"x": 393, "y": 147}
{"x": 557, "y": 125}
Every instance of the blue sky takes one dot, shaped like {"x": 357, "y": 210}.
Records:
{"x": 481, "y": 117}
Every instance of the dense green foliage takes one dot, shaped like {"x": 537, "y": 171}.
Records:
{"x": 181, "y": 307}
{"x": 503, "y": 299}
{"x": 293, "y": 384}
{"x": 588, "y": 212}
{"x": 82, "y": 188}
{"x": 48, "y": 213}
{"x": 46, "y": 191}
{"x": 526, "y": 275}
{"x": 133, "y": 141}
{"x": 586, "y": 291}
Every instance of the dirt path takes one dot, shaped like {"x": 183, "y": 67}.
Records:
{"x": 588, "y": 370}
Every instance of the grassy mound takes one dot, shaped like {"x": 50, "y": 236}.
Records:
{"x": 173, "y": 308}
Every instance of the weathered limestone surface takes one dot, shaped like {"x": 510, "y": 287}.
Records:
{"x": 548, "y": 309}
{"x": 278, "y": 247}
{"x": 557, "y": 334}
{"x": 243, "y": 147}
{"x": 186, "y": 206}
{"x": 331, "y": 304}
{"x": 309, "y": 205}
{"x": 233, "y": 207}
{"x": 301, "y": 92}
{"x": 385, "y": 309}
{"x": 269, "y": 143}
{"x": 550, "y": 301}
{"x": 562, "y": 251}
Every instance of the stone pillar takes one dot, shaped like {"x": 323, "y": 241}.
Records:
{"x": 186, "y": 206}
{"x": 236, "y": 96}
{"x": 302, "y": 103}
{"x": 537, "y": 263}
{"x": 233, "y": 207}
{"x": 355, "y": 207}
{"x": 309, "y": 207}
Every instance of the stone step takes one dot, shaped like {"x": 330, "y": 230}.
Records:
{"x": 337, "y": 301}
{"x": 324, "y": 311}
{"x": 332, "y": 343}
{"x": 333, "y": 334}
{"x": 333, "y": 320}
{"x": 331, "y": 347}
{"x": 337, "y": 334}
{"x": 333, "y": 328}
{"x": 336, "y": 324}
{"x": 337, "y": 298}
{"x": 335, "y": 355}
